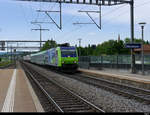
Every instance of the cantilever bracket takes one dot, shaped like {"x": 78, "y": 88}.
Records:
{"x": 94, "y": 22}
{"x": 53, "y": 21}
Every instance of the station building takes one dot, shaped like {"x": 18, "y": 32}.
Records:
{"x": 146, "y": 49}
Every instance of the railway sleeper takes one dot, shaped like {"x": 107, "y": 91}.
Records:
{"x": 147, "y": 96}
{"x": 76, "y": 109}
{"x": 64, "y": 104}
{"x": 90, "y": 110}
{"x": 142, "y": 95}
{"x": 70, "y": 106}
{"x": 63, "y": 99}
{"x": 67, "y": 101}
{"x": 59, "y": 94}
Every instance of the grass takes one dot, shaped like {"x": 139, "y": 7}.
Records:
{"x": 5, "y": 63}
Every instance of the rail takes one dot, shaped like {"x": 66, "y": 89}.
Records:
{"x": 64, "y": 99}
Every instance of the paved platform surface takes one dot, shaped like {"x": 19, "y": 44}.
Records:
{"x": 16, "y": 93}
{"x": 142, "y": 81}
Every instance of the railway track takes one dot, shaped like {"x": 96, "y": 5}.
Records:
{"x": 122, "y": 89}
{"x": 142, "y": 95}
{"x": 62, "y": 99}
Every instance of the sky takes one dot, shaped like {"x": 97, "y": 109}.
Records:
{"x": 16, "y": 18}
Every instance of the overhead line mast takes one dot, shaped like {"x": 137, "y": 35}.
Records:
{"x": 39, "y": 30}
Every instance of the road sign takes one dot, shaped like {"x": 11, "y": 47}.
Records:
{"x": 132, "y": 45}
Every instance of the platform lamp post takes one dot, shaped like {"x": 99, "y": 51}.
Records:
{"x": 142, "y": 24}
{"x": 79, "y": 46}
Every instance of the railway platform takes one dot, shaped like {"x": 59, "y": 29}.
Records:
{"x": 16, "y": 93}
{"x": 137, "y": 80}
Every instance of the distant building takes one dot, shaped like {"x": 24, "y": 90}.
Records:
{"x": 146, "y": 49}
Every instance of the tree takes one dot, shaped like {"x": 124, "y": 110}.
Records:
{"x": 111, "y": 47}
{"x": 108, "y": 48}
{"x": 49, "y": 44}
{"x": 136, "y": 40}
{"x": 147, "y": 42}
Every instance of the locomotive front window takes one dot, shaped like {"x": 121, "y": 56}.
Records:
{"x": 66, "y": 53}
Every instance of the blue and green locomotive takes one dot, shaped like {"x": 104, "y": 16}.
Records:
{"x": 64, "y": 58}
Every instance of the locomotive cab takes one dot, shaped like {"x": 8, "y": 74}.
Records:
{"x": 69, "y": 58}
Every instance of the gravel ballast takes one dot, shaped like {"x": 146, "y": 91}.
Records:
{"x": 106, "y": 100}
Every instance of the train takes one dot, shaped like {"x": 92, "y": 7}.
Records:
{"x": 62, "y": 58}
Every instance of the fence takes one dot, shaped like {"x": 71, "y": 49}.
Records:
{"x": 113, "y": 61}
